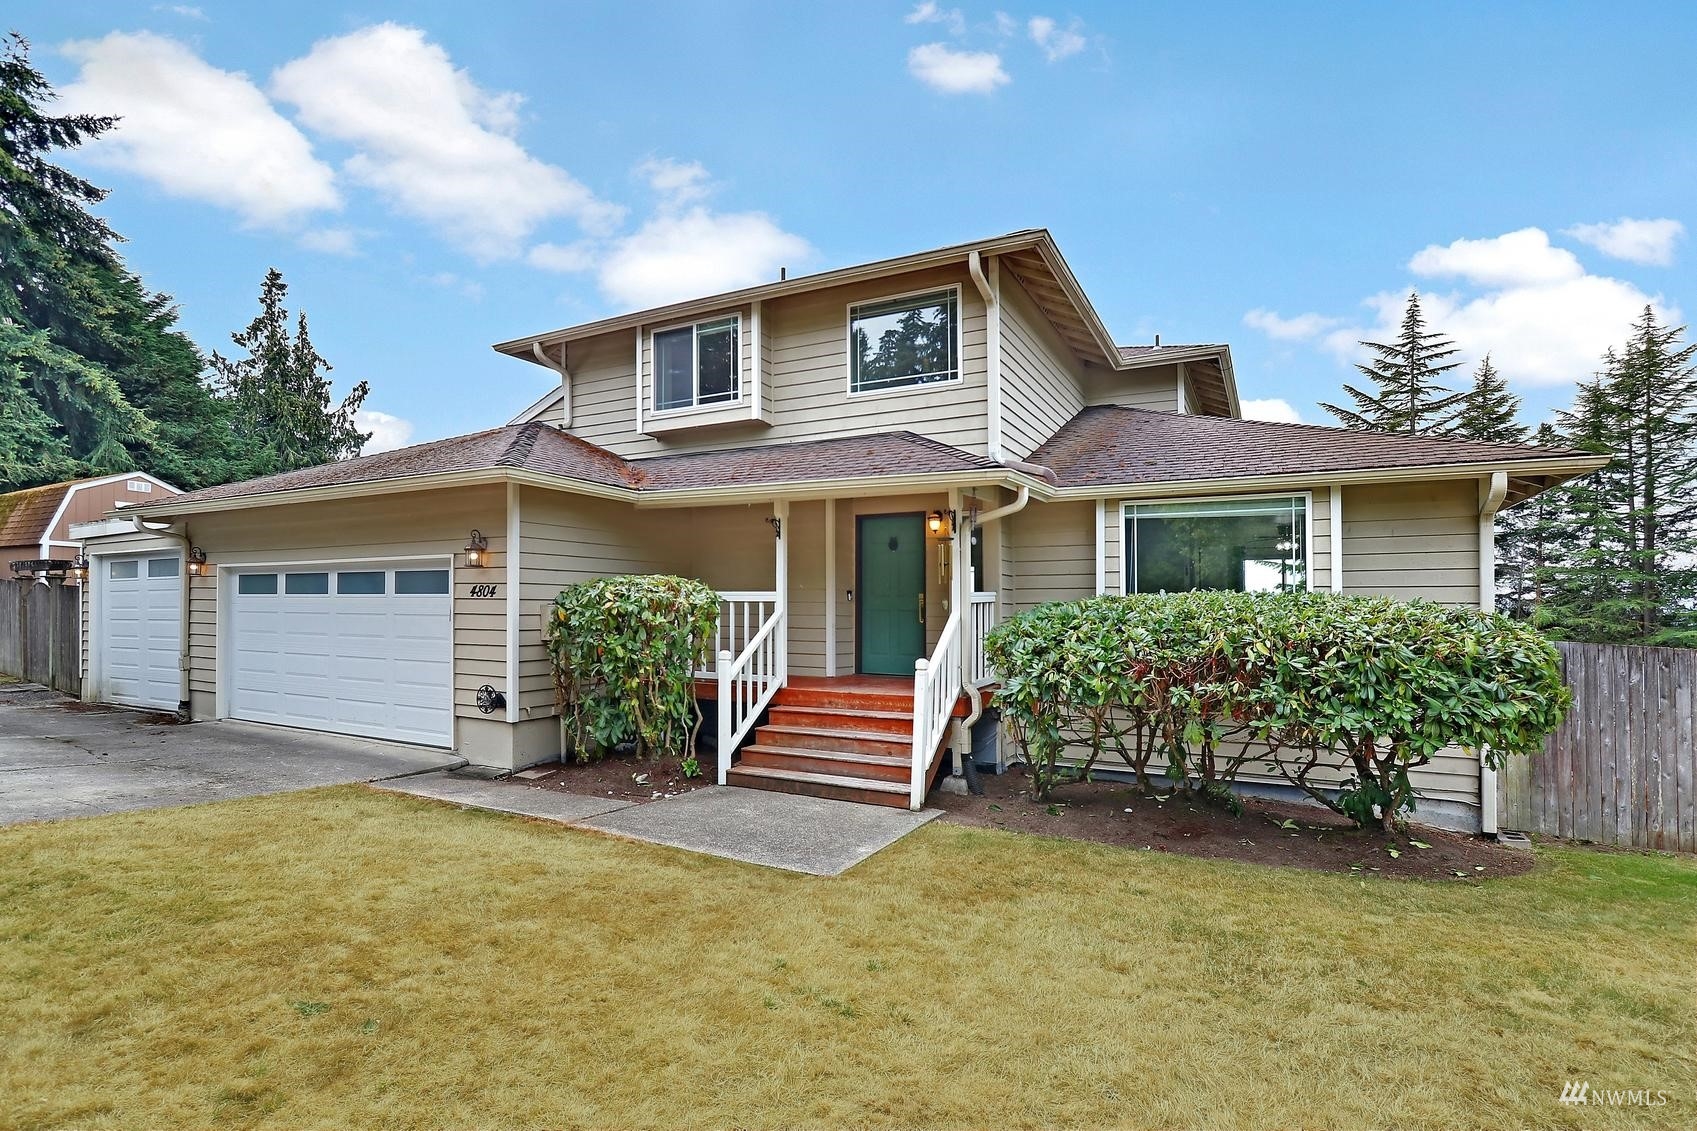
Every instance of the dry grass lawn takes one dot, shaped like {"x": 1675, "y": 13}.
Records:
{"x": 352, "y": 958}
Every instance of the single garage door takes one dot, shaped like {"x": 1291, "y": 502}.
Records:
{"x": 364, "y": 650}
{"x": 139, "y": 610}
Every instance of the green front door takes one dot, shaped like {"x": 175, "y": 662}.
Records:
{"x": 891, "y": 625}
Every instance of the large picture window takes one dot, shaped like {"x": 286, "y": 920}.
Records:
{"x": 1246, "y": 545}
{"x": 898, "y": 342}
{"x": 697, "y": 365}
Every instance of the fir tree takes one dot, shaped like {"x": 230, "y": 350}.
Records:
{"x": 1488, "y": 410}
{"x": 1406, "y": 395}
{"x": 279, "y": 398}
{"x": 89, "y": 359}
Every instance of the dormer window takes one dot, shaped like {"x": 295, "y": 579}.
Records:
{"x": 697, "y": 365}
{"x": 903, "y": 341}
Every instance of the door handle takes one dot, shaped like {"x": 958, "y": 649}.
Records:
{"x": 922, "y": 608}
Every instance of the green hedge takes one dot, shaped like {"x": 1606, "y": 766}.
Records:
{"x": 1306, "y": 683}
{"x": 624, "y": 652}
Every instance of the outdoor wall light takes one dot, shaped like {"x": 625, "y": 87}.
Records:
{"x": 79, "y": 569}
{"x": 941, "y": 524}
{"x": 477, "y": 551}
{"x": 197, "y": 562}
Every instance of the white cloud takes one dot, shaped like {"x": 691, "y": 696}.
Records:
{"x": 1296, "y": 329}
{"x": 694, "y": 252}
{"x": 387, "y": 432}
{"x": 1056, "y": 42}
{"x": 331, "y": 241}
{"x": 1005, "y": 24}
{"x": 930, "y": 12}
{"x": 195, "y": 131}
{"x": 1650, "y": 242}
{"x": 944, "y": 69}
{"x": 1541, "y": 316}
{"x": 432, "y": 142}
{"x": 1271, "y": 408}
{"x": 1523, "y": 258}
{"x": 676, "y": 182}
{"x": 564, "y": 258}
{"x": 187, "y": 11}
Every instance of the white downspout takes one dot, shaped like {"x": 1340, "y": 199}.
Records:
{"x": 1492, "y": 492}
{"x": 975, "y": 701}
{"x": 565, "y": 379}
{"x": 184, "y": 708}
{"x": 989, "y": 288}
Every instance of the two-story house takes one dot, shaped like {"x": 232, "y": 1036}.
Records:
{"x": 873, "y": 465}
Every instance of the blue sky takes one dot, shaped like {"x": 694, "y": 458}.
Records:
{"x": 434, "y": 177}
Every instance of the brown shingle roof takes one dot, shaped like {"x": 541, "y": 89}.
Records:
{"x": 539, "y": 447}
{"x": 1144, "y": 353}
{"x": 1109, "y": 444}
{"x": 534, "y": 445}
{"x": 24, "y": 515}
{"x": 886, "y": 453}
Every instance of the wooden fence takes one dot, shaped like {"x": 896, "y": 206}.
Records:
{"x": 1622, "y": 769}
{"x": 38, "y": 634}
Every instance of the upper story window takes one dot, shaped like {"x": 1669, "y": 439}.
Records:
{"x": 697, "y": 365}
{"x": 911, "y": 340}
{"x": 1257, "y": 545}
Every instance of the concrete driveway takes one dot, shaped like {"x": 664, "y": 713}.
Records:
{"x": 59, "y": 758}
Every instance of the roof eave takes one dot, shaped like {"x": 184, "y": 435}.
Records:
{"x": 1563, "y": 468}
{"x": 918, "y": 261}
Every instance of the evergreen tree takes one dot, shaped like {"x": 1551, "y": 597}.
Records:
{"x": 1488, "y": 410}
{"x": 1531, "y": 537}
{"x": 1406, "y": 395}
{"x": 85, "y": 350}
{"x": 278, "y": 396}
{"x": 1654, "y": 403}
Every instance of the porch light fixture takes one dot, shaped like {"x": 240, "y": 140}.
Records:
{"x": 197, "y": 562}
{"x": 79, "y": 569}
{"x": 941, "y": 524}
{"x": 477, "y": 551}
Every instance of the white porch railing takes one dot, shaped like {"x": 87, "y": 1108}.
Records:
{"x": 749, "y": 678}
{"x": 741, "y": 613}
{"x": 982, "y": 618}
{"x": 936, "y": 688}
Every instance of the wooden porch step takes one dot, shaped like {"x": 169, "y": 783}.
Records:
{"x": 833, "y": 786}
{"x": 832, "y": 738}
{"x": 843, "y": 718}
{"x": 897, "y": 698}
{"x": 839, "y": 763}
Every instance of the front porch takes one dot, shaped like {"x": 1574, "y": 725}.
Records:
{"x": 861, "y": 661}
{"x": 848, "y": 738}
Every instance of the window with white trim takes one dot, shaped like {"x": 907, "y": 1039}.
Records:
{"x": 897, "y": 342}
{"x": 698, "y": 365}
{"x": 1246, "y": 545}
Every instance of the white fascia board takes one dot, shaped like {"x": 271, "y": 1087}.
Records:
{"x": 1422, "y": 473}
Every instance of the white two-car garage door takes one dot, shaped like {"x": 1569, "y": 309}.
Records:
{"x": 361, "y": 649}
{"x": 139, "y": 601}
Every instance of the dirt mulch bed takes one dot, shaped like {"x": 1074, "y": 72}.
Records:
{"x": 1267, "y": 832}
{"x": 628, "y": 779}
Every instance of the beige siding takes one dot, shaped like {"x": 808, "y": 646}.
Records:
{"x": 379, "y": 528}
{"x": 563, "y": 539}
{"x": 1151, "y": 386}
{"x": 1053, "y": 552}
{"x": 1413, "y": 540}
{"x": 806, "y": 336}
{"x": 1041, "y": 379}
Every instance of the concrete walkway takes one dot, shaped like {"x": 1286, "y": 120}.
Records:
{"x": 775, "y": 830}
{"x": 60, "y": 758}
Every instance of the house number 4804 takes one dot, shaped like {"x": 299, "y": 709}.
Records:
{"x": 484, "y": 590}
